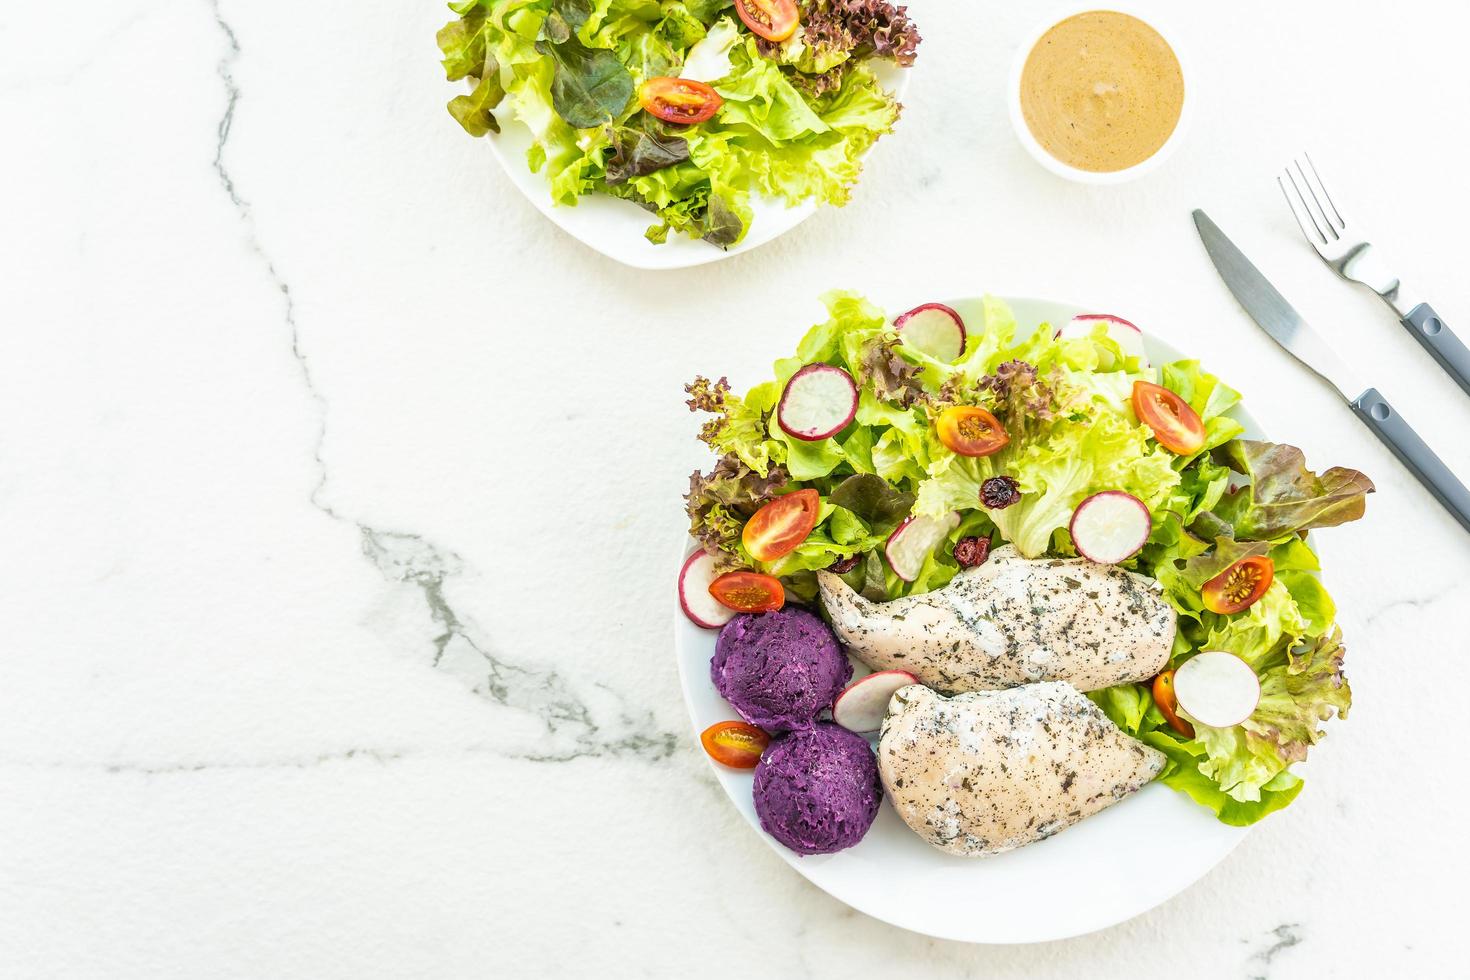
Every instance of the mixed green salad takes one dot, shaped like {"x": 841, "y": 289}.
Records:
{"x": 685, "y": 107}
{"x": 1060, "y": 415}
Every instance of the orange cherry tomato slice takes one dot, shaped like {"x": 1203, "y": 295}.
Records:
{"x": 774, "y": 20}
{"x": 1239, "y": 586}
{"x": 679, "y": 100}
{"x": 779, "y": 526}
{"x": 971, "y": 431}
{"x": 1169, "y": 704}
{"x": 734, "y": 744}
{"x": 749, "y": 592}
{"x": 1176, "y": 426}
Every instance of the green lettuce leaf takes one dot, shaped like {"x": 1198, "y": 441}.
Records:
{"x": 1185, "y": 773}
{"x": 1058, "y": 463}
{"x": 1299, "y": 690}
{"x": 473, "y": 111}
{"x": 590, "y": 86}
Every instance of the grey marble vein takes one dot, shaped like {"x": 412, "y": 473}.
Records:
{"x": 380, "y": 756}
{"x": 573, "y": 728}
{"x": 1411, "y": 602}
{"x": 570, "y": 724}
{"x": 1283, "y": 937}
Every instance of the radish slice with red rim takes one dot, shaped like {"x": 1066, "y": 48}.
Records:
{"x": 863, "y": 703}
{"x": 933, "y": 329}
{"x": 1127, "y": 336}
{"x": 703, "y": 609}
{"x": 1217, "y": 689}
{"x": 817, "y": 403}
{"x": 915, "y": 540}
{"x": 1110, "y": 527}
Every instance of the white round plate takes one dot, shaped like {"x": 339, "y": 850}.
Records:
{"x": 1091, "y": 876}
{"x": 615, "y": 227}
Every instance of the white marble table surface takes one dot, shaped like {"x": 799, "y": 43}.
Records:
{"x": 339, "y": 492}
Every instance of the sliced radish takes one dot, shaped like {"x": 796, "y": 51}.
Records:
{"x": 914, "y": 540}
{"x": 933, "y": 329}
{"x": 702, "y": 608}
{"x": 818, "y": 402}
{"x": 1110, "y": 527}
{"x": 1217, "y": 688}
{"x": 1126, "y": 335}
{"x": 863, "y": 703}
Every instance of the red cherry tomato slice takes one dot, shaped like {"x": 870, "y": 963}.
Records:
{"x": 779, "y": 526}
{"x": 749, "y": 592}
{"x": 1169, "y": 704}
{"x": 971, "y": 431}
{"x": 679, "y": 100}
{"x": 1239, "y": 586}
{"x": 734, "y": 744}
{"x": 774, "y": 20}
{"x": 1176, "y": 426}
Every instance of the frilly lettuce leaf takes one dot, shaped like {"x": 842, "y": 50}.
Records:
{"x": 1208, "y": 396}
{"x": 1063, "y": 448}
{"x": 708, "y": 60}
{"x": 1131, "y": 708}
{"x": 1187, "y": 774}
{"x": 1299, "y": 689}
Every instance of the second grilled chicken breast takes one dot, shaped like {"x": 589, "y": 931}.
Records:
{"x": 987, "y": 772}
{"x": 1012, "y": 621}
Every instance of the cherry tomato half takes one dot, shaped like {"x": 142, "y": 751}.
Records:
{"x": 734, "y": 743}
{"x": 1177, "y": 427}
{"x": 679, "y": 100}
{"x": 1169, "y": 704}
{"x": 971, "y": 431}
{"x": 1239, "y": 586}
{"x": 749, "y": 592}
{"x": 774, "y": 20}
{"x": 779, "y": 526}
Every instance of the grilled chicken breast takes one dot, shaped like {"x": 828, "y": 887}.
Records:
{"x": 1012, "y": 621}
{"x": 990, "y": 771}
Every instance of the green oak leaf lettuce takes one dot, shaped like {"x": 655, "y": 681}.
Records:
{"x": 1284, "y": 496}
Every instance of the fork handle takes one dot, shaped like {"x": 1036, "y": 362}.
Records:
{"x": 1428, "y": 327}
{"x": 1401, "y": 439}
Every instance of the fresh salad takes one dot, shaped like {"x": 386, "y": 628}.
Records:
{"x": 895, "y": 451}
{"x": 684, "y": 107}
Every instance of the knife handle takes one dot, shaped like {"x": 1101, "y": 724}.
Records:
{"x": 1428, "y": 327}
{"x": 1401, "y": 439}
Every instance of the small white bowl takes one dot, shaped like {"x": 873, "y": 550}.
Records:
{"x": 1023, "y": 131}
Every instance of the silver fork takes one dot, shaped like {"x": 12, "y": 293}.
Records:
{"x": 1353, "y": 258}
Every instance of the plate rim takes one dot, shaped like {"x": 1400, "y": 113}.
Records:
{"x": 1104, "y": 921}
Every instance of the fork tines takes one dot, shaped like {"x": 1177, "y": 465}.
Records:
{"x": 1311, "y": 205}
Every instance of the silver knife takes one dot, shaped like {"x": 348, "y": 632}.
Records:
{"x": 1285, "y": 325}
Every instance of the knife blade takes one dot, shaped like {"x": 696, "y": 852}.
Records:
{"x": 1288, "y": 328}
{"x": 1272, "y": 312}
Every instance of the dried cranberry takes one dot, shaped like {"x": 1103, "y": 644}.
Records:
{"x": 999, "y": 491}
{"x": 970, "y": 552}
{"x": 844, "y": 565}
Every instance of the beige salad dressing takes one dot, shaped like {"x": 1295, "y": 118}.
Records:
{"x": 1102, "y": 91}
